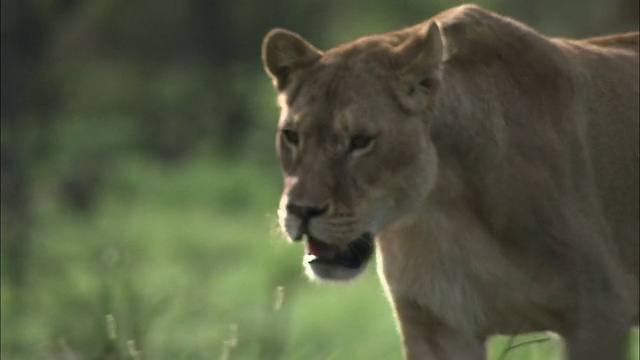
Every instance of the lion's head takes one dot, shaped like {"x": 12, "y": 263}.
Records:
{"x": 353, "y": 139}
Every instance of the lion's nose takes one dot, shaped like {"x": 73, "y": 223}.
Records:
{"x": 304, "y": 212}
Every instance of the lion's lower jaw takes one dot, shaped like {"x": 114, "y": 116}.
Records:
{"x": 326, "y": 272}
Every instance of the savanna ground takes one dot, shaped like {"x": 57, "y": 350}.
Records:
{"x": 187, "y": 263}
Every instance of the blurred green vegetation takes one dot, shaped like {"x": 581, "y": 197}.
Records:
{"x": 139, "y": 181}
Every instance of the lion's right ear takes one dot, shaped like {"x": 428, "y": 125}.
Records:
{"x": 284, "y": 51}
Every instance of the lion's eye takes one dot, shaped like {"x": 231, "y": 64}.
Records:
{"x": 359, "y": 142}
{"x": 291, "y": 137}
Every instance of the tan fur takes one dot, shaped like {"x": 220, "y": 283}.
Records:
{"x": 501, "y": 184}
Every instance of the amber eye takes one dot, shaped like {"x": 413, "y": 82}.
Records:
{"x": 359, "y": 142}
{"x": 290, "y": 137}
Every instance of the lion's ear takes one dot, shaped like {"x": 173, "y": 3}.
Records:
{"x": 284, "y": 51}
{"x": 421, "y": 52}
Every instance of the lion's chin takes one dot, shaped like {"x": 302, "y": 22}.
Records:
{"x": 331, "y": 263}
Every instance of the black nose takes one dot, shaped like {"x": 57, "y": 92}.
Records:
{"x": 305, "y": 213}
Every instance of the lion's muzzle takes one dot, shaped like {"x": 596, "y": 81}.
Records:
{"x": 332, "y": 262}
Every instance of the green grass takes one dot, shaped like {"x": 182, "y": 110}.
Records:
{"x": 186, "y": 263}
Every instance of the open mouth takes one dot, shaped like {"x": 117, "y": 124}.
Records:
{"x": 353, "y": 256}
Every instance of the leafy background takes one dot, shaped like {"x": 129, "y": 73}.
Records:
{"x": 139, "y": 180}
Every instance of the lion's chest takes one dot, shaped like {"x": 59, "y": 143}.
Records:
{"x": 447, "y": 265}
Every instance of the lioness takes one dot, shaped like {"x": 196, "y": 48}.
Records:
{"x": 495, "y": 170}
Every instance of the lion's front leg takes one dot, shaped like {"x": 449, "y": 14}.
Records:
{"x": 426, "y": 338}
{"x": 600, "y": 333}
{"x": 597, "y": 344}
{"x": 597, "y": 325}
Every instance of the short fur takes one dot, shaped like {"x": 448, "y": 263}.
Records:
{"x": 501, "y": 183}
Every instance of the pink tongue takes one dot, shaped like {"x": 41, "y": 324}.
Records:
{"x": 322, "y": 250}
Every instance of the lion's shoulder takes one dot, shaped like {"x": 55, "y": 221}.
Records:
{"x": 473, "y": 32}
{"x": 476, "y": 35}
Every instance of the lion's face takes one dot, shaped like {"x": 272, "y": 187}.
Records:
{"x": 353, "y": 142}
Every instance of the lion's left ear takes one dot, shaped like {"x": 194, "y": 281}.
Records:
{"x": 416, "y": 64}
{"x": 420, "y": 53}
{"x": 284, "y": 51}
